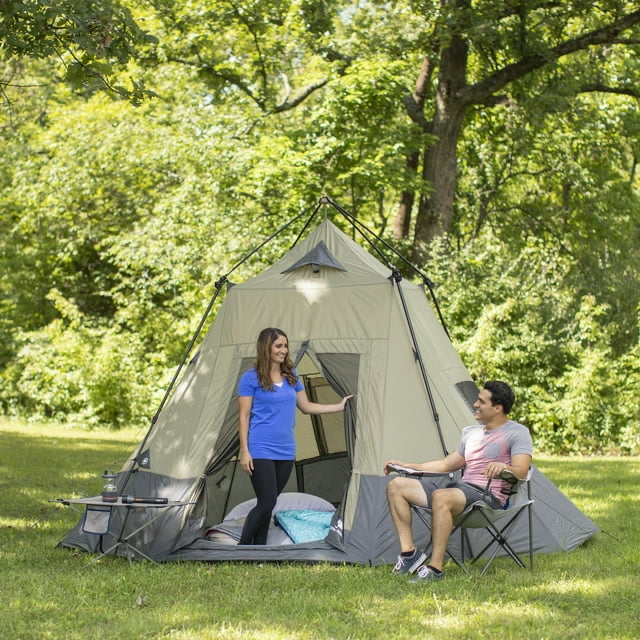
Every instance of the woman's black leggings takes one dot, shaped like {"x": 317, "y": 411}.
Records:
{"x": 268, "y": 479}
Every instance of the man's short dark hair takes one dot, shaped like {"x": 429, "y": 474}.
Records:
{"x": 501, "y": 393}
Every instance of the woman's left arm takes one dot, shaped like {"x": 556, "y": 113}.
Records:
{"x": 306, "y": 406}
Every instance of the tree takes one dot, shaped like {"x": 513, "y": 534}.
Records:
{"x": 281, "y": 56}
{"x": 117, "y": 220}
{"x": 476, "y": 53}
{"x": 87, "y": 39}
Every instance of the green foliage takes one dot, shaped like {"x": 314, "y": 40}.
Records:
{"x": 87, "y": 40}
{"x": 130, "y": 215}
{"x": 566, "y": 184}
{"x": 516, "y": 317}
{"x": 107, "y": 237}
{"x": 83, "y": 374}
{"x": 591, "y": 406}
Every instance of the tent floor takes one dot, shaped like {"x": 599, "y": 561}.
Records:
{"x": 208, "y": 551}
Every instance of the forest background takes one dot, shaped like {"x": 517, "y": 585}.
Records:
{"x": 148, "y": 146}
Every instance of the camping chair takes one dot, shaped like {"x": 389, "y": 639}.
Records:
{"x": 497, "y": 522}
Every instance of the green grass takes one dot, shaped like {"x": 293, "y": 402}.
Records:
{"x": 46, "y": 592}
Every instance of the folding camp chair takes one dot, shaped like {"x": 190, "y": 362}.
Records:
{"x": 497, "y": 522}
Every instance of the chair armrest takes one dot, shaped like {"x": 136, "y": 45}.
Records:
{"x": 514, "y": 481}
{"x": 412, "y": 473}
{"x": 404, "y": 471}
{"x": 509, "y": 476}
{"x": 512, "y": 478}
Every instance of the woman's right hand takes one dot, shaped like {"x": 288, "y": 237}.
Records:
{"x": 246, "y": 462}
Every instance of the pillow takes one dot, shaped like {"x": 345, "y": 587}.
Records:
{"x": 286, "y": 502}
{"x": 232, "y": 530}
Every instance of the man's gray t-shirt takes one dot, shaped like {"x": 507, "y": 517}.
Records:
{"x": 479, "y": 447}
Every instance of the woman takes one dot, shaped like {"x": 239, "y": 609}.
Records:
{"x": 268, "y": 395}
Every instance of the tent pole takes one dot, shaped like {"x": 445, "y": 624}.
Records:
{"x": 359, "y": 226}
{"x": 396, "y": 278}
{"x": 218, "y": 286}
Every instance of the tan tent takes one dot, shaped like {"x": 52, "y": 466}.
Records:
{"x": 354, "y": 327}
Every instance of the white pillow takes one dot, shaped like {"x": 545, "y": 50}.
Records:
{"x": 286, "y": 501}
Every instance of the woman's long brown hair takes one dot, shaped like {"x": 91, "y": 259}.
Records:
{"x": 262, "y": 363}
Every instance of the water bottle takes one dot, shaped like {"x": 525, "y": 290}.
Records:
{"x": 109, "y": 489}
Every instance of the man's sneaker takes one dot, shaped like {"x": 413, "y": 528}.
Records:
{"x": 408, "y": 564}
{"x": 427, "y": 574}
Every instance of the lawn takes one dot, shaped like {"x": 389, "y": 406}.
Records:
{"x": 46, "y": 592}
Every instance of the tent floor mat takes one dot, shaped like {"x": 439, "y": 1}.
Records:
{"x": 207, "y": 551}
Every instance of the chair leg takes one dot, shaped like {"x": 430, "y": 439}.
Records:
{"x": 498, "y": 535}
{"x": 465, "y": 541}
{"x": 500, "y": 541}
{"x": 530, "y": 516}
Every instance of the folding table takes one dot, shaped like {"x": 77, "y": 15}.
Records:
{"x": 97, "y": 518}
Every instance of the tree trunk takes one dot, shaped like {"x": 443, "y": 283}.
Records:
{"x": 454, "y": 97}
{"x": 435, "y": 213}
{"x": 439, "y": 169}
{"x": 402, "y": 221}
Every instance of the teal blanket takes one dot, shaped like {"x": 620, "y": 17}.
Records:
{"x": 304, "y": 525}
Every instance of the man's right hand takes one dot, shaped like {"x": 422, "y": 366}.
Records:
{"x": 387, "y": 470}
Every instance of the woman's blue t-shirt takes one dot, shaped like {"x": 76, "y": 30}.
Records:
{"x": 273, "y": 417}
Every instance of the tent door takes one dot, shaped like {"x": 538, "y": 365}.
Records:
{"x": 324, "y": 444}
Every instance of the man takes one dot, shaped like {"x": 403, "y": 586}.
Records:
{"x": 485, "y": 451}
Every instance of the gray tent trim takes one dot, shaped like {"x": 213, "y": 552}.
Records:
{"x": 358, "y": 330}
{"x": 318, "y": 257}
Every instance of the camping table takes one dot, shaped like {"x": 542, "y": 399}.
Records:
{"x": 101, "y": 508}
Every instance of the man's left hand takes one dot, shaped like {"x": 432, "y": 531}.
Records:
{"x": 494, "y": 469}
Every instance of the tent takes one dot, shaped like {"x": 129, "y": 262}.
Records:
{"x": 355, "y": 326}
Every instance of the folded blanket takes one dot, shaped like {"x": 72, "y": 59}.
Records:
{"x": 304, "y": 525}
